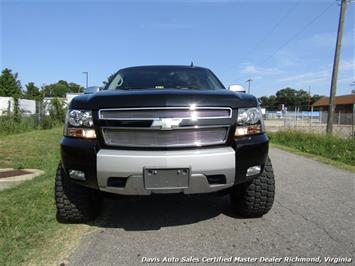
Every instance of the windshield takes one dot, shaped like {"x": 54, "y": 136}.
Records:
{"x": 165, "y": 78}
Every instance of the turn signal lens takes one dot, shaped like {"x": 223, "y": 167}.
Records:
{"x": 86, "y": 133}
{"x": 247, "y": 130}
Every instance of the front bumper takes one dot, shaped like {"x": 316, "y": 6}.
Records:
{"x": 98, "y": 163}
{"x": 129, "y": 164}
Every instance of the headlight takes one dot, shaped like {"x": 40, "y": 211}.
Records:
{"x": 79, "y": 123}
{"x": 249, "y": 121}
{"x": 249, "y": 116}
{"x": 79, "y": 118}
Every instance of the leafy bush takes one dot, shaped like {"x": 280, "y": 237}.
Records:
{"x": 57, "y": 110}
{"x": 11, "y": 124}
{"x": 331, "y": 147}
{"x": 16, "y": 122}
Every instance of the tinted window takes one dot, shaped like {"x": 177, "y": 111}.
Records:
{"x": 165, "y": 78}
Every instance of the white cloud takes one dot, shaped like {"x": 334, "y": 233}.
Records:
{"x": 306, "y": 62}
{"x": 347, "y": 80}
{"x": 321, "y": 39}
{"x": 347, "y": 64}
{"x": 301, "y": 51}
{"x": 326, "y": 40}
{"x": 322, "y": 75}
{"x": 251, "y": 69}
{"x": 286, "y": 58}
{"x": 307, "y": 78}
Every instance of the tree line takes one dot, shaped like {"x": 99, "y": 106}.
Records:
{"x": 10, "y": 86}
{"x": 290, "y": 98}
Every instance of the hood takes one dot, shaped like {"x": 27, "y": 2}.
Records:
{"x": 162, "y": 98}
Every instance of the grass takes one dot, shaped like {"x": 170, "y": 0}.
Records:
{"x": 329, "y": 149}
{"x": 9, "y": 125}
{"x": 315, "y": 157}
{"x": 29, "y": 232}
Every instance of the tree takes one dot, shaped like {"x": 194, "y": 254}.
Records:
{"x": 264, "y": 100}
{"x": 10, "y": 86}
{"x": 302, "y": 99}
{"x": 57, "y": 109}
{"x": 60, "y": 89}
{"x": 33, "y": 92}
{"x": 287, "y": 97}
{"x": 269, "y": 103}
{"x": 75, "y": 88}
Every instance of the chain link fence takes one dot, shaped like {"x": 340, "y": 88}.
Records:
{"x": 21, "y": 115}
{"x": 310, "y": 122}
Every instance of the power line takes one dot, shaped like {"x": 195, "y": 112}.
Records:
{"x": 299, "y": 32}
{"x": 272, "y": 30}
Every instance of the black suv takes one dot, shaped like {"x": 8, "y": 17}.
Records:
{"x": 159, "y": 130}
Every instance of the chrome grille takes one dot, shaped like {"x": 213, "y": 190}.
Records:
{"x": 165, "y": 112}
{"x": 182, "y": 137}
{"x": 165, "y": 126}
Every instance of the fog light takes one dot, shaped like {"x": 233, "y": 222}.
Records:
{"x": 254, "y": 170}
{"x": 76, "y": 174}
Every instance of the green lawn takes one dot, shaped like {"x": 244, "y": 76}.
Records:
{"x": 29, "y": 232}
{"x": 329, "y": 149}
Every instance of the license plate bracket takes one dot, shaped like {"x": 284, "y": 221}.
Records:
{"x": 166, "y": 178}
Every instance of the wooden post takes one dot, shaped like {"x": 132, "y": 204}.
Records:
{"x": 352, "y": 124}
{"x": 333, "y": 86}
{"x": 9, "y": 107}
{"x": 295, "y": 125}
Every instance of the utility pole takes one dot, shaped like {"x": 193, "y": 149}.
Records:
{"x": 87, "y": 78}
{"x": 249, "y": 81}
{"x": 333, "y": 87}
{"x": 309, "y": 98}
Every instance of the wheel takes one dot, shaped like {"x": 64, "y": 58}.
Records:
{"x": 255, "y": 198}
{"x": 74, "y": 203}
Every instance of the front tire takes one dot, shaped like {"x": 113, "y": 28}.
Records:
{"x": 255, "y": 198}
{"x": 74, "y": 203}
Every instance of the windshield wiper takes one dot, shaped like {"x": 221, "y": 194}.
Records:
{"x": 154, "y": 88}
{"x": 188, "y": 87}
{"x": 131, "y": 88}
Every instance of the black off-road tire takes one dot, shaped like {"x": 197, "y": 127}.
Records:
{"x": 255, "y": 198}
{"x": 75, "y": 204}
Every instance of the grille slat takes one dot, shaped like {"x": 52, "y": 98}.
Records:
{"x": 153, "y": 113}
{"x": 165, "y": 138}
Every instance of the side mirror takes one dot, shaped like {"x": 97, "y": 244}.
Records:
{"x": 91, "y": 90}
{"x": 237, "y": 88}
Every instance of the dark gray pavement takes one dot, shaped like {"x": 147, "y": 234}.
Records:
{"x": 313, "y": 215}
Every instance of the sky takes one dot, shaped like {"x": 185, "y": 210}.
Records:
{"x": 277, "y": 44}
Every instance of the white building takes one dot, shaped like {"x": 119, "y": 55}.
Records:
{"x": 28, "y": 107}
{"x": 7, "y": 104}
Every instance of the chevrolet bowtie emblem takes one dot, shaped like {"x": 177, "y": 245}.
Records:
{"x": 166, "y": 123}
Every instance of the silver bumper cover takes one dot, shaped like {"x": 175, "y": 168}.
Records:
{"x": 130, "y": 164}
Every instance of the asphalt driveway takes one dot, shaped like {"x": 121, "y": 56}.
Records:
{"x": 313, "y": 216}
